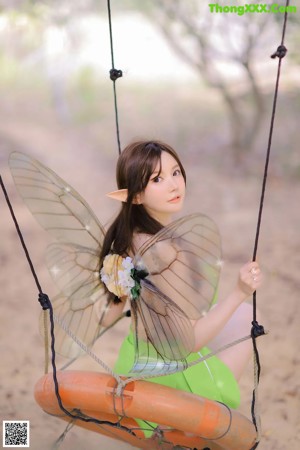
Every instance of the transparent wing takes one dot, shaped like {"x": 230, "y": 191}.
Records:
{"x": 73, "y": 261}
{"x": 55, "y": 204}
{"x": 183, "y": 261}
{"x": 84, "y": 300}
{"x": 75, "y": 270}
{"x": 83, "y": 324}
{"x": 162, "y": 330}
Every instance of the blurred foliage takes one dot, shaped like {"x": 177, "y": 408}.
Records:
{"x": 187, "y": 114}
{"x": 86, "y": 103}
{"x": 68, "y": 8}
{"x": 9, "y": 72}
{"x": 214, "y": 44}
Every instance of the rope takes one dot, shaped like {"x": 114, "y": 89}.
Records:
{"x": 258, "y": 330}
{"x": 44, "y": 300}
{"x": 20, "y": 235}
{"x": 46, "y": 341}
{"x": 123, "y": 382}
{"x": 46, "y": 305}
{"x": 114, "y": 75}
{"x": 122, "y": 316}
{"x": 186, "y": 364}
{"x": 86, "y": 349}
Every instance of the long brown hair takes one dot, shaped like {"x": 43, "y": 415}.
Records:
{"x": 135, "y": 166}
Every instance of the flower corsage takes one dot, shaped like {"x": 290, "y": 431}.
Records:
{"x": 121, "y": 277}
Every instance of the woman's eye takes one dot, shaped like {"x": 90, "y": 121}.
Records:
{"x": 177, "y": 172}
{"x": 156, "y": 179}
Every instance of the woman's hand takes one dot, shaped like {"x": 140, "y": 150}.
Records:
{"x": 250, "y": 278}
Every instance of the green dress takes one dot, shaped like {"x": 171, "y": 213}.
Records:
{"x": 211, "y": 378}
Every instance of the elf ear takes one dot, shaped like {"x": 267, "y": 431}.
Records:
{"x": 120, "y": 195}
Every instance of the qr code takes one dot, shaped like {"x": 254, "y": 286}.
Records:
{"x": 16, "y": 433}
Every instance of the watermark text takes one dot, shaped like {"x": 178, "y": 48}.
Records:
{"x": 260, "y": 8}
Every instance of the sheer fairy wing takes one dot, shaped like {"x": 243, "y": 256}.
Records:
{"x": 73, "y": 261}
{"x": 83, "y": 300}
{"x": 183, "y": 263}
{"x": 162, "y": 331}
{"x": 54, "y": 203}
{"x": 75, "y": 270}
{"x": 75, "y": 325}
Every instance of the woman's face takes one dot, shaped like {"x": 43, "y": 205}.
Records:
{"x": 165, "y": 191}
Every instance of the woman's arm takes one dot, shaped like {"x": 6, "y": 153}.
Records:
{"x": 113, "y": 312}
{"x": 209, "y": 326}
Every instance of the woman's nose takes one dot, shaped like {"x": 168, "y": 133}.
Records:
{"x": 172, "y": 183}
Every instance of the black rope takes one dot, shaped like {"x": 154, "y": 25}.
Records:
{"x": 46, "y": 305}
{"x": 79, "y": 416}
{"x": 280, "y": 53}
{"x": 258, "y": 330}
{"x": 114, "y": 75}
{"x": 20, "y": 236}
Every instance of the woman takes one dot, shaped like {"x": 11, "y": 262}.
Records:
{"x": 152, "y": 182}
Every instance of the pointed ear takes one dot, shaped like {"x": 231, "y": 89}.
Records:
{"x": 120, "y": 195}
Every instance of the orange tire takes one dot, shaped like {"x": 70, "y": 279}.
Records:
{"x": 186, "y": 419}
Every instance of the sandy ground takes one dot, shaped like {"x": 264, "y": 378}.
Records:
{"x": 233, "y": 203}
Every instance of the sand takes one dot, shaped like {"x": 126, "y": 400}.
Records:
{"x": 232, "y": 200}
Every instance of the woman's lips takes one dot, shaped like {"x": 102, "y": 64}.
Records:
{"x": 175, "y": 199}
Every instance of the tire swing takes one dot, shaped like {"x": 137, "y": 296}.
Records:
{"x": 101, "y": 403}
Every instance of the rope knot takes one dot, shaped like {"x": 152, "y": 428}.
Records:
{"x": 257, "y": 330}
{"x": 280, "y": 52}
{"x": 44, "y": 301}
{"x": 115, "y": 74}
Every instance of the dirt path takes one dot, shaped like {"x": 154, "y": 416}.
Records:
{"x": 231, "y": 201}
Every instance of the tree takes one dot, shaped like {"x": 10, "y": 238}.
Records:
{"x": 225, "y": 49}
{"x": 218, "y": 45}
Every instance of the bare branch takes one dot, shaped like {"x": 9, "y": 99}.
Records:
{"x": 203, "y": 41}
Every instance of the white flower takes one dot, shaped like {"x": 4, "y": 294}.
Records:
{"x": 125, "y": 281}
{"x": 116, "y": 274}
{"x": 127, "y": 263}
